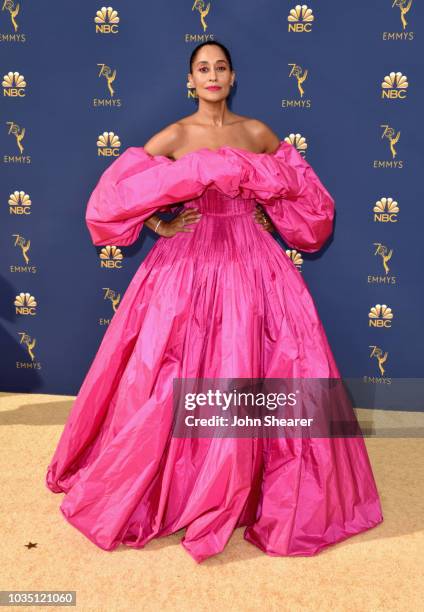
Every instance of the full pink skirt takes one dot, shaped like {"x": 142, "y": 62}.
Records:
{"x": 223, "y": 301}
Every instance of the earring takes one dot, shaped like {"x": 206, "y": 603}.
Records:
{"x": 190, "y": 86}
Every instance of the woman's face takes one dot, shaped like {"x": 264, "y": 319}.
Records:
{"x": 211, "y": 69}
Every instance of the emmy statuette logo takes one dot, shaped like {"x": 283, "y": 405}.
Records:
{"x": 202, "y": 9}
{"x": 402, "y": 7}
{"x": 114, "y": 299}
{"x": 29, "y": 345}
{"x": 109, "y": 76}
{"x": 14, "y": 9}
{"x": 380, "y": 356}
{"x": 385, "y": 254}
{"x": 300, "y": 75}
{"x": 18, "y": 133}
{"x": 24, "y": 245}
{"x": 391, "y": 136}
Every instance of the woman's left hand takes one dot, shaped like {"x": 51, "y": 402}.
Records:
{"x": 262, "y": 218}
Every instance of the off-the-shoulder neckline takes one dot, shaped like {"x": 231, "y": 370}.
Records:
{"x": 219, "y": 149}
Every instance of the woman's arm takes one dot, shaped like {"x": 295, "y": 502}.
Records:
{"x": 164, "y": 143}
{"x": 161, "y": 143}
{"x": 152, "y": 223}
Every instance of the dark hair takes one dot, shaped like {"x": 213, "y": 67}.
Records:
{"x": 211, "y": 42}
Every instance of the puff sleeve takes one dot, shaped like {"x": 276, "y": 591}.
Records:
{"x": 293, "y": 196}
{"x": 118, "y": 205}
{"x": 137, "y": 184}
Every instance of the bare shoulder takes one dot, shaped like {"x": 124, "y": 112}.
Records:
{"x": 166, "y": 140}
{"x": 263, "y": 134}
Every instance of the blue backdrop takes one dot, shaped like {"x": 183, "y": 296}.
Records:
{"x": 363, "y": 139}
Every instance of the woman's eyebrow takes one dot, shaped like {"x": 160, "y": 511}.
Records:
{"x": 206, "y": 61}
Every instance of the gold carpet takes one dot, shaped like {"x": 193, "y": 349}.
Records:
{"x": 381, "y": 569}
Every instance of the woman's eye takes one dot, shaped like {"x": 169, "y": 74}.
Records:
{"x": 205, "y": 68}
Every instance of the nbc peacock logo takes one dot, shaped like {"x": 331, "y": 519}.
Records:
{"x": 295, "y": 257}
{"x": 386, "y": 210}
{"x": 19, "y": 203}
{"x": 380, "y": 315}
{"x": 108, "y": 145}
{"x": 300, "y": 19}
{"x": 14, "y": 85}
{"x": 394, "y": 86}
{"x": 25, "y": 304}
{"x": 298, "y": 141}
{"x": 111, "y": 257}
{"x": 106, "y": 20}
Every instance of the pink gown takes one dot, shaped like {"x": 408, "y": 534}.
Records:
{"x": 222, "y": 301}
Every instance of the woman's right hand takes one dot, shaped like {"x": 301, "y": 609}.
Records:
{"x": 167, "y": 229}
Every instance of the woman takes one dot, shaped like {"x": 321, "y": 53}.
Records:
{"x": 215, "y": 297}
